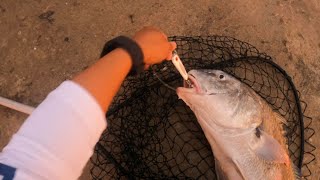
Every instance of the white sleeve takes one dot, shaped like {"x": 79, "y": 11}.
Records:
{"x": 58, "y": 138}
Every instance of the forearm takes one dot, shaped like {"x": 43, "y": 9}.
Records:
{"x": 104, "y": 78}
{"x": 64, "y": 128}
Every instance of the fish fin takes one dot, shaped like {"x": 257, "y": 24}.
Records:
{"x": 279, "y": 117}
{"x": 269, "y": 149}
{"x": 232, "y": 169}
{"x": 221, "y": 175}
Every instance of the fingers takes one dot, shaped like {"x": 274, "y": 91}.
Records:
{"x": 169, "y": 57}
{"x": 173, "y": 46}
{"x": 157, "y": 38}
{"x": 155, "y": 29}
{"x": 146, "y": 66}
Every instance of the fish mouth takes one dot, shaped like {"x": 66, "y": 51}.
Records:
{"x": 192, "y": 87}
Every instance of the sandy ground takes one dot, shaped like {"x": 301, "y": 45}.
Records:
{"x": 43, "y": 43}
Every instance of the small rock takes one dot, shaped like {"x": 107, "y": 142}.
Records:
{"x": 76, "y": 3}
{"x": 284, "y": 42}
{"x": 281, "y": 20}
{"x": 47, "y": 16}
{"x": 131, "y": 18}
{"x": 21, "y": 17}
{"x": 2, "y": 9}
{"x": 66, "y": 39}
{"x": 300, "y": 35}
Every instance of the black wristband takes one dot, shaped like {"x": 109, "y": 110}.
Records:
{"x": 131, "y": 47}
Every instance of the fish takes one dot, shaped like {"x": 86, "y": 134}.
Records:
{"x": 239, "y": 126}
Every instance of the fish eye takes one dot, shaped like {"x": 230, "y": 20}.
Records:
{"x": 258, "y": 133}
{"x": 221, "y": 76}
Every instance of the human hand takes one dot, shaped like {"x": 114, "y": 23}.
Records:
{"x": 154, "y": 45}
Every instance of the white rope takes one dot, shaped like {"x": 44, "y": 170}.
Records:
{"x": 16, "y": 106}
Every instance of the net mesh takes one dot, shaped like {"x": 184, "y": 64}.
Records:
{"x": 153, "y": 135}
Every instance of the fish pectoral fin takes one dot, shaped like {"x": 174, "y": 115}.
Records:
{"x": 231, "y": 172}
{"x": 221, "y": 175}
{"x": 269, "y": 149}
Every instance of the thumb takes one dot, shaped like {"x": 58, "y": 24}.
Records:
{"x": 173, "y": 46}
{"x": 146, "y": 66}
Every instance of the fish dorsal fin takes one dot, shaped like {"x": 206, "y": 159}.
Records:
{"x": 279, "y": 117}
{"x": 269, "y": 149}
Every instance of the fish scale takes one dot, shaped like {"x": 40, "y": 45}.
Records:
{"x": 230, "y": 114}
